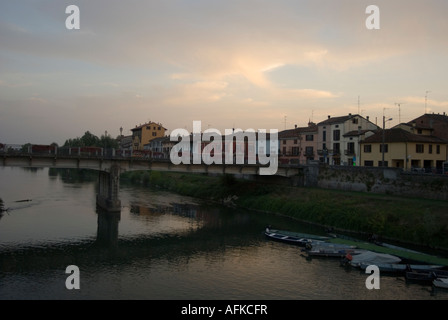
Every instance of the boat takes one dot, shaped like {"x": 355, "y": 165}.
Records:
{"x": 335, "y": 252}
{"x": 440, "y": 283}
{"x": 372, "y": 258}
{"x": 410, "y": 256}
{"x": 296, "y": 238}
{"x": 427, "y": 276}
{"x": 400, "y": 268}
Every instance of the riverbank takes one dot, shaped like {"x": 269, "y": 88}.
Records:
{"x": 420, "y": 222}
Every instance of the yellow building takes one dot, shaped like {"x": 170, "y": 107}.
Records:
{"x": 403, "y": 149}
{"x": 144, "y": 133}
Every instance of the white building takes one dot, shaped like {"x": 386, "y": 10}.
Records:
{"x": 338, "y": 138}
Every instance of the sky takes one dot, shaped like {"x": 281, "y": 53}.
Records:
{"x": 248, "y": 64}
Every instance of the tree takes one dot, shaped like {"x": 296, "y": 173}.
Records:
{"x": 91, "y": 140}
{"x": 107, "y": 142}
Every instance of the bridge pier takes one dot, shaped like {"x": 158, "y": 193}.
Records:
{"x": 107, "y": 230}
{"x": 108, "y": 188}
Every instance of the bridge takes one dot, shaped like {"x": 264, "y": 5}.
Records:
{"x": 110, "y": 163}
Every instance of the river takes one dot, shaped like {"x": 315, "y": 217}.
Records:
{"x": 161, "y": 246}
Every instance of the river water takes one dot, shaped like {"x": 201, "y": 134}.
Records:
{"x": 161, "y": 246}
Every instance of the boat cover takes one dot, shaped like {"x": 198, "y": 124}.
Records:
{"x": 373, "y": 258}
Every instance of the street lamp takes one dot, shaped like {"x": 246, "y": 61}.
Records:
{"x": 384, "y": 139}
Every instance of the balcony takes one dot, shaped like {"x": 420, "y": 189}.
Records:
{"x": 290, "y": 154}
{"x": 334, "y": 152}
{"x": 323, "y": 152}
{"x": 349, "y": 152}
{"x": 309, "y": 154}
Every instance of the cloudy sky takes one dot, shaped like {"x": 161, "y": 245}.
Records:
{"x": 258, "y": 64}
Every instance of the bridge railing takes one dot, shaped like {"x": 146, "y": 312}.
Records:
{"x": 88, "y": 152}
{"x": 101, "y": 153}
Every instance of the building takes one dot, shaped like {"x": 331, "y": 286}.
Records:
{"x": 404, "y": 149}
{"x": 143, "y": 134}
{"x": 435, "y": 123}
{"x": 339, "y": 137}
{"x": 157, "y": 147}
{"x": 124, "y": 142}
{"x": 431, "y": 124}
{"x": 298, "y": 145}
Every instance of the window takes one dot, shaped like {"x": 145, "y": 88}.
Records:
{"x": 336, "y": 149}
{"x": 324, "y": 136}
{"x": 355, "y": 120}
{"x": 350, "y": 148}
{"x": 154, "y": 134}
{"x": 386, "y": 148}
{"x": 438, "y": 149}
{"x": 284, "y": 141}
{"x": 419, "y": 148}
{"x": 324, "y": 146}
{"x": 295, "y": 151}
{"x": 367, "y": 148}
{"x": 295, "y": 141}
{"x": 336, "y": 135}
{"x": 309, "y": 151}
{"x": 159, "y": 128}
{"x": 380, "y": 164}
{"x": 368, "y": 163}
{"x": 310, "y": 137}
{"x": 284, "y": 150}
{"x": 430, "y": 148}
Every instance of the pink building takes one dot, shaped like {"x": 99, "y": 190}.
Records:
{"x": 298, "y": 145}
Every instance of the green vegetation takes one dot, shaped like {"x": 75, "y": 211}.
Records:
{"x": 91, "y": 140}
{"x": 409, "y": 220}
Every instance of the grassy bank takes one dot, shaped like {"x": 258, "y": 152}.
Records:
{"x": 409, "y": 220}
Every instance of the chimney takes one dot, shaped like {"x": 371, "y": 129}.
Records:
{"x": 367, "y": 118}
{"x": 295, "y": 126}
{"x": 328, "y": 116}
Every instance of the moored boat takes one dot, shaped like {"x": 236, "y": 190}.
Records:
{"x": 400, "y": 268}
{"x": 440, "y": 283}
{"x": 426, "y": 276}
{"x": 373, "y": 258}
{"x": 296, "y": 238}
{"x": 336, "y": 253}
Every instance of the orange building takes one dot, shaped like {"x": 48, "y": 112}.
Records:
{"x": 144, "y": 133}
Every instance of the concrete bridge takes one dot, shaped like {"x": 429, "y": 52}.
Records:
{"x": 110, "y": 166}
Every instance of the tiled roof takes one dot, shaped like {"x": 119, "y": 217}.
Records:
{"x": 337, "y": 119}
{"x": 148, "y": 124}
{"x": 296, "y": 132}
{"x": 401, "y": 135}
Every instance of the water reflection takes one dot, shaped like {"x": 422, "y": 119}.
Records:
{"x": 160, "y": 246}
{"x": 107, "y": 232}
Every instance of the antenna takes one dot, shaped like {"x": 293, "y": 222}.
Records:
{"x": 284, "y": 121}
{"x": 358, "y": 106}
{"x": 399, "y": 110}
{"x": 426, "y": 99}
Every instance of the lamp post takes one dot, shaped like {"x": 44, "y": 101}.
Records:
{"x": 384, "y": 139}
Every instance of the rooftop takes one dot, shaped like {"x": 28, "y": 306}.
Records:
{"x": 147, "y": 124}
{"x": 401, "y": 135}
